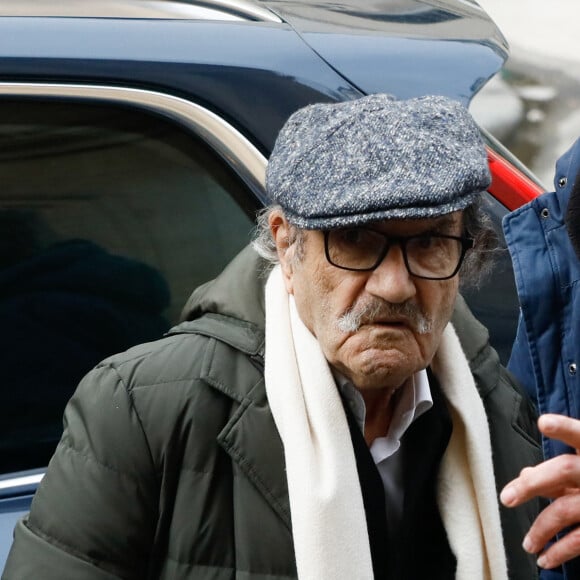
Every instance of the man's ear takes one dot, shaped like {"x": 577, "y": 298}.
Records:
{"x": 280, "y": 229}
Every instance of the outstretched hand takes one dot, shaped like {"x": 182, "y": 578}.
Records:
{"x": 559, "y": 480}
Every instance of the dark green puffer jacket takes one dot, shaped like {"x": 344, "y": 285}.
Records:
{"x": 171, "y": 467}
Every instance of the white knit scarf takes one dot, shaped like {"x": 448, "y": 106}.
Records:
{"x": 328, "y": 518}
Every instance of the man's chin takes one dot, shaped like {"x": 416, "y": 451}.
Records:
{"x": 378, "y": 368}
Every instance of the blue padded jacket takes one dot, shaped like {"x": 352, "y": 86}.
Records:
{"x": 546, "y": 352}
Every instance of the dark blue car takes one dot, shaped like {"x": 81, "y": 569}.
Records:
{"x": 134, "y": 136}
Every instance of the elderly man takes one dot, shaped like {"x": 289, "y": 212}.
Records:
{"x": 319, "y": 418}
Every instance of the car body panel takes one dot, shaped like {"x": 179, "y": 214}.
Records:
{"x": 197, "y": 63}
{"x": 336, "y": 53}
{"x": 16, "y": 492}
{"x": 460, "y": 47}
{"x": 10, "y": 512}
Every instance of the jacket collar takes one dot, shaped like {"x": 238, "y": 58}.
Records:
{"x": 263, "y": 465}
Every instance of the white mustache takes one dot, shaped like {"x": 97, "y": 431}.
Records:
{"x": 377, "y": 309}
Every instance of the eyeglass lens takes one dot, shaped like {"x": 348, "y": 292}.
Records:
{"x": 362, "y": 249}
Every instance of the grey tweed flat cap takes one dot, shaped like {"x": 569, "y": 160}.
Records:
{"x": 375, "y": 158}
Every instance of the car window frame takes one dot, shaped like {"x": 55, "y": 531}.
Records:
{"x": 238, "y": 152}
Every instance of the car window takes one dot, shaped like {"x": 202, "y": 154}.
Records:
{"x": 109, "y": 218}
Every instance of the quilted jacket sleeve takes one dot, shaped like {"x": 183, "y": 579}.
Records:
{"x": 94, "y": 514}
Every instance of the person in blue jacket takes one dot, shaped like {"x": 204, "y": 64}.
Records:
{"x": 543, "y": 238}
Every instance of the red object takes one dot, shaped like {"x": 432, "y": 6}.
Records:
{"x": 509, "y": 185}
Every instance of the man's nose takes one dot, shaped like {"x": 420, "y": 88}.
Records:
{"x": 391, "y": 280}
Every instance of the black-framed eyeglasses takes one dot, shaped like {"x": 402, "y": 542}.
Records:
{"x": 427, "y": 256}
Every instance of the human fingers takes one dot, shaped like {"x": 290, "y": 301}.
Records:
{"x": 562, "y": 551}
{"x": 552, "y": 479}
{"x": 559, "y": 515}
{"x": 560, "y": 427}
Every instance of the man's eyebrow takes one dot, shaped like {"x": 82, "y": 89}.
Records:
{"x": 444, "y": 223}
{"x": 436, "y": 225}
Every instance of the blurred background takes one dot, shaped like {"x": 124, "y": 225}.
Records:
{"x": 533, "y": 106}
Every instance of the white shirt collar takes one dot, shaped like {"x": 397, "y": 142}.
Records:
{"x": 414, "y": 400}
